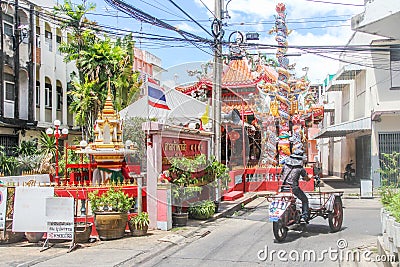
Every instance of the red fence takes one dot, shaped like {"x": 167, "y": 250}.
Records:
{"x": 262, "y": 179}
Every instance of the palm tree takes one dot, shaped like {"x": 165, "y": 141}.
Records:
{"x": 85, "y": 105}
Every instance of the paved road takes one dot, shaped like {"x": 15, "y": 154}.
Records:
{"x": 237, "y": 241}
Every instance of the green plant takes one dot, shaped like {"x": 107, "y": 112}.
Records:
{"x": 140, "y": 221}
{"x": 8, "y": 164}
{"x": 26, "y": 148}
{"x": 394, "y": 207}
{"x": 219, "y": 173}
{"x": 183, "y": 183}
{"x": 389, "y": 170}
{"x": 111, "y": 200}
{"x": 202, "y": 209}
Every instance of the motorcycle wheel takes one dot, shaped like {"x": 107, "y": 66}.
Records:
{"x": 346, "y": 178}
{"x": 280, "y": 231}
{"x": 336, "y": 217}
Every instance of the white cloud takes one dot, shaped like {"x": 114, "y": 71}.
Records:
{"x": 186, "y": 27}
{"x": 319, "y": 67}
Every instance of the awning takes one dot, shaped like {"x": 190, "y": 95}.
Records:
{"x": 330, "y": 107}
{"x": 349, "y": 72}
{"x": 336, "y": 85}
{"x": 345, "y": 128}
{"x": 343, "y": 77}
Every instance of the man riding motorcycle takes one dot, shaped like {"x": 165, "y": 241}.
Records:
{"x": 291, "y": 173}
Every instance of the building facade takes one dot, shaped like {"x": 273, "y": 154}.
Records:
{"x": 33, "y": 74}
{"x": 363, "y": 98}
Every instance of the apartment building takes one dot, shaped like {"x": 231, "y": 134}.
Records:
{"x": 33, "y": 74}
{"x": 363, "y": 98}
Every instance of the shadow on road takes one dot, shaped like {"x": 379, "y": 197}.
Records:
{"x": 309, "y": 230}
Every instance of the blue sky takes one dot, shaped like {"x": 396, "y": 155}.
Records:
{"x": 312, "y": 22}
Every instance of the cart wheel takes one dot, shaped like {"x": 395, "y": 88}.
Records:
{"x": 336, "y": 217}
{"x": 280, "y": 231}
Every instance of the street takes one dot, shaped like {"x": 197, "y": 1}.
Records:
{"x": 243, "y": 239}
{"x": 237, "y": 241}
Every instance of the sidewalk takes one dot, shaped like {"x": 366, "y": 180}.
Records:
{"x": 131, "y": 251}
{"x": 335, "y": 183}
{"x": 128, "y": 251}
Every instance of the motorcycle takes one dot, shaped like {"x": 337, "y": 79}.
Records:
{"x": 350, "y": 173}
{"x": 285, "y": 210}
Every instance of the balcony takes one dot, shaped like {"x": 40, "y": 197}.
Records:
{"x": 381, "y": 17}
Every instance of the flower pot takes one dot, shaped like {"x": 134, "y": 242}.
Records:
{"x": 137, "y": 232}
{"x": 10, "y": 236}
{"x": 179, "y": 219}
{"x": 384, "y": 216}
{"x": 34, "y": 237}
{"x": 82, "y": 232}
{"x": 396, "y": 230}
{"x": 110, "y": 225}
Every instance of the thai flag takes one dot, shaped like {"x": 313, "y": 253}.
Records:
{"x": 156, "y": 96}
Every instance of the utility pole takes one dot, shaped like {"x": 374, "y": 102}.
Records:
{"x": 217, "y": 79}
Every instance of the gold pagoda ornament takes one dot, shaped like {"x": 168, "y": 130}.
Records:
{"x": 108, "y": 148}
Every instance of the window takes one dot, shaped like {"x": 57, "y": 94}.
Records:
{"x": 37, "y": 93}
{"x": 48, "y": 37}
{"x": 37, "y": 37}
{"x": 48, "y": 95}
{"x": 58, "y": 43}
{"x": 8, "y": 25}
{"x": 59, "y": 97}
{"x": 389, "y": 142}
{"x": 9, "y": 142}
{"x": 9, "y": 89}
{"x": 395, "y": 66}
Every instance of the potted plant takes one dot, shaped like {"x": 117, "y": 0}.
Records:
{"x": 183, "y": 186}
{"x": 202, "y": 210}
{"x": 110, "y": 212}
{"x": 139, "y": 224}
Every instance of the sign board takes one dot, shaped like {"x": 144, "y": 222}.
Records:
{"x": 181, "y": 147}
{"x": 252, "y": 36}
{"x": 366, "y": 188}
{"x": 31, "y": 179}
{"x": 276, "y": 209}
{"x": 3, "y": 207}
{"x": 30, "y": 208}
{"x": 60, "y": 217}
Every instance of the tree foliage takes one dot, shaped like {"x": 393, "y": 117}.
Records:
{"x": 98, "y": 60}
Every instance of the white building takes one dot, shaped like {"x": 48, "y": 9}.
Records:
{"x": 363, "y": 97}
{"x": 34, "y": 76}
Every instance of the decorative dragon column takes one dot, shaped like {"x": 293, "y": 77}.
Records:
{"x": 281, "y": 100}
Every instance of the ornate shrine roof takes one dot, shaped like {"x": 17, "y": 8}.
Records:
{"x": 236, "y": 74}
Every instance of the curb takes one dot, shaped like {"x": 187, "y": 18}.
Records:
{"x": 383, "y": 252}
{"x": 227, "y": 212}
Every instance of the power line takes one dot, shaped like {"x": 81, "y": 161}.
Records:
{"x": 333, "y": 3}
{"x": 184, "y": 12}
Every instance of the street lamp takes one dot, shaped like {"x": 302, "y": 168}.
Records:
{"x": 57, "y": 134}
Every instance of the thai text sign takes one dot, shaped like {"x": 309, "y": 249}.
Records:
{"x": 182, "y": 147}
{"x": 60, "y": 230}
{"x": 276, "y": 210}
{"x": 60, "y": 217}
{"x": 3, "y": 207}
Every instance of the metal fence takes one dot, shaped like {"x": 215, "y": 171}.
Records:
{"x": 388, "y": 144}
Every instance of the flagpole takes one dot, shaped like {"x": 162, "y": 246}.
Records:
{"x": 146, "y": 88}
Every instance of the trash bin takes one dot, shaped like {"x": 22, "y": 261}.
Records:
{"x": 366, "y": 188}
